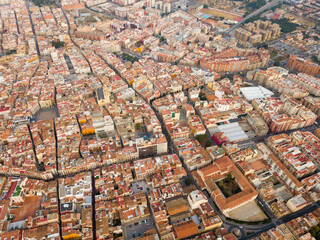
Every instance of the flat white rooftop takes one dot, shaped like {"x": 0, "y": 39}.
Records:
{"x": 233, "y": 131}
{"x": 251, "y": 93}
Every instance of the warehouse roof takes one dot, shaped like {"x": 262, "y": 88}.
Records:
{"x": 251, "y": 93}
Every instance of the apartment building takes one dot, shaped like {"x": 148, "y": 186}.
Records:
{"x": 304, "y": 66}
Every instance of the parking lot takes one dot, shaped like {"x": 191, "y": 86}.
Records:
{"x": 139, "y": 186}
{"x": 136, "y": 229}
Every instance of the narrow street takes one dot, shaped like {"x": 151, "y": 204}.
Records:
{"x": 59, "y": 210}
{"x": 93, "y": 206}
{"x": 36, "y": 160}
{"x": 57, "y": 181}
{"x": 15, "y": 16}
{"x": 33, "y": 31}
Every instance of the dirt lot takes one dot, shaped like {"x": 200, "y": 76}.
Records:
{"x": 301, "y": 20}
{"x": 249, "y": 212}
{"x": 29, "y": 208}
{"x": 219, "y": 13}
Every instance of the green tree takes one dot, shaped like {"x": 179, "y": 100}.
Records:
{"x": 40, "y": 3}
{"x": 138, "y": 126}
{"x": 41, "y": 166}
{"x": 162, "y": 39}
{"x": 13, "y": 51}
{"x": 255, "y": 5}
{"x": 139, "y": 43}
{"x": 201, "y": 138}
{"x": 57, "y": 44}
{"x": 116, "y": 235}
{"x": 205, "y": 6}
{"x": 229, "y": 177}
{"x": 202, "y": 96}
{"x": 130, "y": 58}
{"x": 306, "y": 35}
{"x": 275, "y": 7}
{"x": 252, "y": 19}
{"x": 188, "y": 181}
{"x": 286, "y": 25}
{"x": 315, "y": 59}
{"x": 209, "y": 143}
